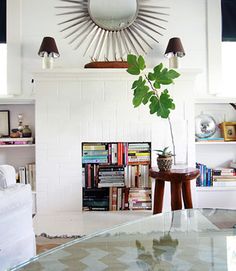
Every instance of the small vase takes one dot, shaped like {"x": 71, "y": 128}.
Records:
{"x": 165, "y": 163}
{"x": 26, "y": 132}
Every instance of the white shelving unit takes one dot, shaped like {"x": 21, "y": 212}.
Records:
{"x": 216, "y": 154}
{"x": 19, "y": 155}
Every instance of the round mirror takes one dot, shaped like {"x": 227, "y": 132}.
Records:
{"x": 113, "y": 15}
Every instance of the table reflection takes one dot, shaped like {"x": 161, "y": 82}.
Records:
{"x": 194, "y": 239}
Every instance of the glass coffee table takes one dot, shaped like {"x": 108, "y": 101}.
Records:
{"x": 192, "y": 239}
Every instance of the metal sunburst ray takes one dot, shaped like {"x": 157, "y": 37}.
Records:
{"x": 145, "y": 32}
{"x": 87, "y": 32}
{"x": 73, "y": 19}
{"x": 79, "y": 22}
{"x": 133, "y": 38}
{"x": 93, "y": 39}
{"x": 150, "y": 22}
{"x": 87, "y": 27}
{"x": 137, "y": 32}
{"x": 72, "y": 12}
{"x": 97, "y": 45}
{"x": 82, "y": 2}
{"x": 124, "y": 42}
{"x": 142, "y": 15}
{"x": 148, "y": 27}
{"x": 101, "y": 46}
{"x": 136, "y": 40}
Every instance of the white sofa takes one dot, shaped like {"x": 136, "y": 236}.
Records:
{"x": 17, "y": 238}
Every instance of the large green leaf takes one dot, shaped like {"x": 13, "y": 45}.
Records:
{"x": 173, "y": 74}
{"x": 165, "y": 104}
{"x": 153, "y": 106}
{"x": 136, "y": 83}
{"x": 147, "y": 97}
{"x": 135, "y": 64}
{"x": 141, "y": 63}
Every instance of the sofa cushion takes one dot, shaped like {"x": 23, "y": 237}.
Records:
{"x": 7, "y": 176}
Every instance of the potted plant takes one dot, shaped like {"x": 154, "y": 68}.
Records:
{"x": 164, "y": 159}
{"x": 149, "y": 89}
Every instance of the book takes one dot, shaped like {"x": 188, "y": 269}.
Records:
{"x": 22, "y": 139}
{"x": 22, "y": 175}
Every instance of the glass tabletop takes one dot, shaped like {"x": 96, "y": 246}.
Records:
{"x": 193, "y": 239}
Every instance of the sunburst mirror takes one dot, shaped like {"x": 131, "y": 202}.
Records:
{"x": 112, "y": 29}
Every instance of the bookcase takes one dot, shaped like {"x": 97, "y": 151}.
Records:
{"x": 215, "y": 157}
{"x": 116, "y": 176}
{"x": 20, "y": 152}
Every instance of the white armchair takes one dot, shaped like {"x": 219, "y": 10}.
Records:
{"x": 17, "y": 238}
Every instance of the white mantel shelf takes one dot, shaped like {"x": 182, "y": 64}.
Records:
{"x": 214, "y": 100}
{"x": 16, "y": 100}
{"x": 100, "y": 74}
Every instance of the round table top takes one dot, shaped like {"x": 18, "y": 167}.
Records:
{"x": 193, "y": 239}
{"x": 182, "y": 173}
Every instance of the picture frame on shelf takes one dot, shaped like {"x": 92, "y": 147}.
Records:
{"x": 228, "y": 130}
{"x": 4, "y": 123}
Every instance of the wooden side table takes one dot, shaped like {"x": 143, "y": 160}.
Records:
{"x": 179, "y": 185}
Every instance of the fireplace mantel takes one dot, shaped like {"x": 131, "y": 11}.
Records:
{"x": 79, "y": 105}
{"x": 100, "y": 74}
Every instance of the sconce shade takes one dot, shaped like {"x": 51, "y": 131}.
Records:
{"x": 48, "y": 46}
{"x": 174, "y": 47}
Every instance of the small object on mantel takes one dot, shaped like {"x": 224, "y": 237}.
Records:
{"x": 107, "y": 65}
{"x": 15, "y": 133}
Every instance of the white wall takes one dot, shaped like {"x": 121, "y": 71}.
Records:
{"x": 94, "y": 105}
{"x": 187, "y": 20}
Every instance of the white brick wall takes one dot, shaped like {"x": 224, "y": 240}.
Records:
{"x": 77, "y": 106}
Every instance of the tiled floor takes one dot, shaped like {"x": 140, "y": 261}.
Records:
{"x": 83, "y": 223}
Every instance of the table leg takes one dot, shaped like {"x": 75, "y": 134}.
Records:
{"x": 158, "y": 196}
{"x": 187, "y": 197}
{"x": 176, "y": 195}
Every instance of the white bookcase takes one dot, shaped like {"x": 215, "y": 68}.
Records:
{"x": 19, "y": 155}
{"x": 216, "y": 154}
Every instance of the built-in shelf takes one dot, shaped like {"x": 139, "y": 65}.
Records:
{"x": 216, "y": 143}
{"x": 13, "y": 100}
{"x": 216, "y": 188}
{"x": 214, "y": 100}
{"x": 18, "y": 146}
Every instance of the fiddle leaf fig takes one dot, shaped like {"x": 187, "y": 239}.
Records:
{"x": 147, "y": 88}
{"x": 135, "y": 64}
{"x": 165, "y": 103}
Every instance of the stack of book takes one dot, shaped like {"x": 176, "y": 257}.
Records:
{"x": 205, "y": 177}
{"x": 224, "y": 177}
{"x": 139, "y": 153}
{"x": 16, "y": 141}
{"x": 118, "y": 198}
{"x": 110, "y": 176}
{"x": 140, "y": 199}
{"x": 94, "y": 153}
{"x": 27, "y": 175}
{"x": 137, "y": 176}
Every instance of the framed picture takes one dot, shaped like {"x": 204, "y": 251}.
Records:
{"x": 228, "y": 130}
{"x": 4, "y": 123}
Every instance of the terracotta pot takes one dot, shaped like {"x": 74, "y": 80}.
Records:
{"x": 165, "y": 163}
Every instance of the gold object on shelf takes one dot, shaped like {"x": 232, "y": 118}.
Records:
{"x": 228, "y": 130}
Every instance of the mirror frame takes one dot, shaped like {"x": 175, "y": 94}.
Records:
{"x": 107, "y": 44}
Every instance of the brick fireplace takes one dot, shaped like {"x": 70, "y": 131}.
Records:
{"x": 74, "y": 106}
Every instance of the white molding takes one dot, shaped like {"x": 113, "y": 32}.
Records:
{"x": 100, "y": 74}
{"x": 214, "y": 100}
{"x": 13, "y": 100}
